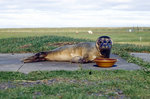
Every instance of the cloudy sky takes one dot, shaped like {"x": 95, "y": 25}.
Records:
{"x": 74, "y": 13}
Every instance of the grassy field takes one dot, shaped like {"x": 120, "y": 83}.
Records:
{"x": 117, "y": 34}
{"x": 79, "y": 84}
{"x": 75, "y": 85}
{"x": 42, "y": 39}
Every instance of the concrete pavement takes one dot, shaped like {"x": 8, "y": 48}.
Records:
{"x": 144, "y": 56}
{"x": 12, "y": 62}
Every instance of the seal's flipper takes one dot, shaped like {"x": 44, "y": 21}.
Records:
{"x": 36, "y": 58}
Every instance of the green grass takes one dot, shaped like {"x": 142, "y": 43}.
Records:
{"x": 132, "y": 48}
{"x": 33, "y": 44}
{"x": 40, "y": 39}
{"x": 76, "y": 84}
{"x": 45, "y": 43}
{"x": 101, "y": 84}
{"x": 117, "y": 34}
{"x": 123, "y": 51}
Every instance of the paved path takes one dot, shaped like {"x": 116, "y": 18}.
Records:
{"x": 9, "y": 62}
{"x": 144, "y": 56}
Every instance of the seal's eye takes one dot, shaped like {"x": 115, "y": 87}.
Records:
{"x": 100, "y": 42}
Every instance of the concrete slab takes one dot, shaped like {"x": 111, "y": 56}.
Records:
{"x": 12, "y": 62}
{"x": 144, "y": 56}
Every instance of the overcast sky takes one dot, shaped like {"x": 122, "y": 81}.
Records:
{"x": 74, "y": 13}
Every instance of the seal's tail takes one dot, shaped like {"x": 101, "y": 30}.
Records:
{"x": 36, "y": 58}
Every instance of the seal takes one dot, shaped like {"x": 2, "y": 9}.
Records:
{"x": 77, "y": 53}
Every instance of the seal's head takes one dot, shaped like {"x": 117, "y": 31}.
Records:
{"x": 104, "y": 44}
